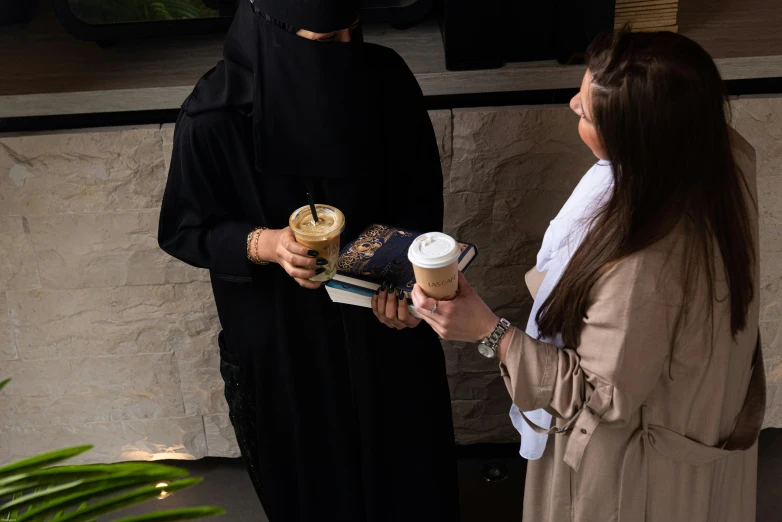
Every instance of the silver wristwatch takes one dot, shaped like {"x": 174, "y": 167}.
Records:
{"x": 488, "y": 347}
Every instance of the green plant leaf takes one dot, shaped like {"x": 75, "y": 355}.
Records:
{"x": 55, "y": 489}
{"x": 75, "y": 493}
{"x": 13, "y": 478}
{"x": 125, "y": 469}
{"x": 78, "y": 491}
{"x": 147, "y": 471}
{"x": 105, "y": 506}
{"x": 38, "y": 495}
{"x": 41, "y": 461}
{"x": 176, "y": 514}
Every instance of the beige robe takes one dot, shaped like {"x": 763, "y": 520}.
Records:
{"x": 648, "y": 425}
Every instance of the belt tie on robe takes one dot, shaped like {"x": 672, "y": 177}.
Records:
{"x": 662, "y": 440}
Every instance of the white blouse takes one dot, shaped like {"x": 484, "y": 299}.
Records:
{"x": 563, "y": 237}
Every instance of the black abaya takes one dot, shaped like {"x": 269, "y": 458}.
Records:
{"x": 338, "y": 417}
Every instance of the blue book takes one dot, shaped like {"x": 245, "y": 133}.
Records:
{"x": 345, "y": 293}
{"x": 379, "y": 254}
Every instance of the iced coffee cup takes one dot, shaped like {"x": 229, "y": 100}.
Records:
{"x": 435, "y": 260}
{"x": 321, "y": 236}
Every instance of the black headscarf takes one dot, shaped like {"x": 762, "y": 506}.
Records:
{"x": 308, "y": 98}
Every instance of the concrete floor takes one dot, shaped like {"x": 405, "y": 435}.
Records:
{"x": 227, "y": 485}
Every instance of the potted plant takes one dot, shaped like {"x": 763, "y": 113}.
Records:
{"x": 39, "y": 489}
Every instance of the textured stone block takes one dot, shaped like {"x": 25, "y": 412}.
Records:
{"x": 17, "y": 262}
{"x": 468, "y": 360}
{"x": 81, "y": 172}
{"x": 517, "y": 148}
{"x": 99, "y": 389}
{"x": 770, "y": 237}
{"x": 773, "y": 418}
{"x": 483, "y": 422}
{"x": 759, "y": 120}
{"x": 164, "y": 439}
{"x": 771, "y": 335}
{"x": 520, "y": 220}
{"x": 167, "y": 141}
{"x": 451, "y": 357}
{"x": 220, "y": 436}
{"x": 114, "y": 321}
{"x": 770, "y": 209}
{"x": 468, "y": 217}
{"x": 514, "y": 309}
{"x": 478, "y": 386}
{"x": 771, "y": 286}
{"x": 21, "y": 442}
{"x": 442, "y": 123}
{"x": 202, "y": 385}
{"x": 7, "y": 342}
{"x": 175, "y": 439}
{"x": 506, "y": 282}
{"x": 90, "y": 250}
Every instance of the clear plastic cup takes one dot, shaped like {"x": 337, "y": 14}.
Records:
{"x": 322, "y": 236}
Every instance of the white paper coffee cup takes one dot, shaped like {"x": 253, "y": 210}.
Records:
{"x": 435, "y": 260}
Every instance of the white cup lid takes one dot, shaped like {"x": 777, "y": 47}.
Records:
{"x": 433, "y": 250}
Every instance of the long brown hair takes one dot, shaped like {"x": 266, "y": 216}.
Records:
{"x": 660, "y": 109}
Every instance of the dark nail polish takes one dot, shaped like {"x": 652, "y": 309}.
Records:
{"x": 390, "y": 288}
{"x": 319, "y": 271}
{"x": 313, "y": 253}
{"x": 383, "y": 287}
{"x": 322, "y": 262}
{"x": 377, "y": 291}
{"x": 401, "y": 295}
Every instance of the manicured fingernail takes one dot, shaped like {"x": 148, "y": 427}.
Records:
{"x": 390, "y": 288}
{"x": 313, "y": 253}
{"x": 377, "y": 291}
{"x": 401, "y": 295}
{"x": 322, "y": 262}
{"x": 319, "y": 271}
{"x": 383, "y": 287}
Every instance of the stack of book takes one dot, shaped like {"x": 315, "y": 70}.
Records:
{"x": 378, "y": 255}
{"x": 647, "y": 15}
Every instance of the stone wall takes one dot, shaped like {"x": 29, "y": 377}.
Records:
{"x": 111, "y": 342}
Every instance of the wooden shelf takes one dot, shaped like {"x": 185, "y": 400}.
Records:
{"x": 47, "y": 72}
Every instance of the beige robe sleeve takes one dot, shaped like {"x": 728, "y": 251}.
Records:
{"x": 626, "y": 338}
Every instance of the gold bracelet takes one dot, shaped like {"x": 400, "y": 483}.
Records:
{"x": 252, "y": 245}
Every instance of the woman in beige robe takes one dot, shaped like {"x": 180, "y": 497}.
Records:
{"x": 657, "y": 401}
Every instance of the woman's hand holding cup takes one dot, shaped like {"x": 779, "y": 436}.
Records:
{"x": 300, "y": 262}
{"x": 466, "y": 318}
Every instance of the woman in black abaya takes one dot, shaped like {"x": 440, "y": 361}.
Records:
{"x": 337, "y": 418}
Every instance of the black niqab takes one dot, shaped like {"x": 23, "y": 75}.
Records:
{"x": 308, "y": 98}
{"x": 338, "y": 417}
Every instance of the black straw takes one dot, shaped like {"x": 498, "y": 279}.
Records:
{"x": 312, "y": 207}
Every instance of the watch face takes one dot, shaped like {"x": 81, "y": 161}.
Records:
{"x": 486, "y": 351}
